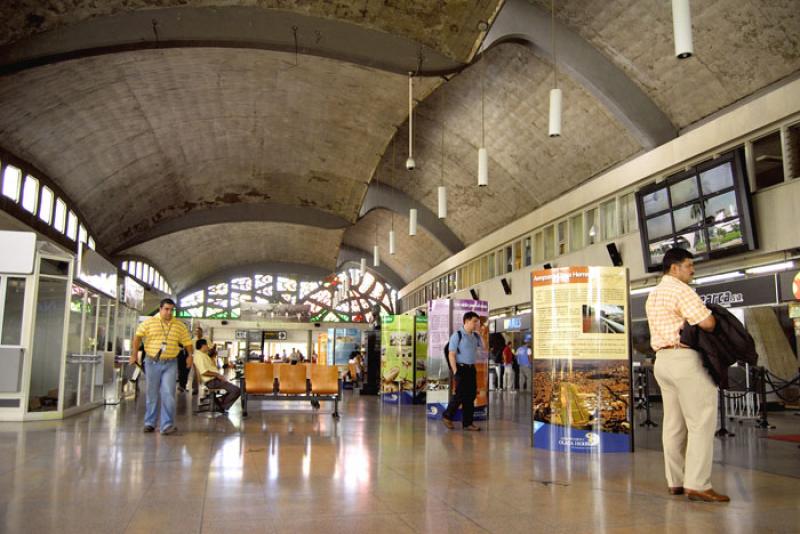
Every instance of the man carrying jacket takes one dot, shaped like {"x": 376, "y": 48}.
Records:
{"x": 687, "y": 390}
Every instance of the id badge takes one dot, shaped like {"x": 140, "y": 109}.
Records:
{"x": 163, "y": 347}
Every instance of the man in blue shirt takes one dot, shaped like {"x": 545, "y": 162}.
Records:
{"x": 524, "y": 361}
{"x": 462, "y": 355}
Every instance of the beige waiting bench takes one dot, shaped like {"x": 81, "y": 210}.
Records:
{"x": 304, "y": 382}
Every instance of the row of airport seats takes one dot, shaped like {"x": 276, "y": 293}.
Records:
{"x": 283, "y": 381}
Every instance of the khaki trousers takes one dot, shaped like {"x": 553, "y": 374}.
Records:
{"x": 690, "y": 418}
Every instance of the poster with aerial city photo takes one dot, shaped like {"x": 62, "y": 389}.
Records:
{"x": 581, "y": 398}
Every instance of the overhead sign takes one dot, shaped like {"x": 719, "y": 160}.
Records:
{"x": 739, "y": 293}
{"x": 97, "y": 272}
{"x": 241, "y": 334}
{"x": 275, "y": 335}
{"x": 23, "y": 244}
{"x": 789, "y": 283}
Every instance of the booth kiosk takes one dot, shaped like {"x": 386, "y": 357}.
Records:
{"x": 56, "y": 329}
{"x": 445, "y": 316}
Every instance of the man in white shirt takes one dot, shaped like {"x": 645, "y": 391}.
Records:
{"x": 210, "y": 376}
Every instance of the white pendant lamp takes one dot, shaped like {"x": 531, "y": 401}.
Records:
{"x": 483, "y": 155}
{"x": 554, "y": 129}
{"x": 554, "y": 120}
{"x": 442, "y": 191}
{"x": 376, "y": 256}
{"x": 391, "y": 183}
{"x": 483, "y": 167}
{"x": 346, "y": 286}
{"x": 363, "y": 266}
{"x": 391, "y": 242}
{"x": 682, "y": 28}
{"x": 410, "y": 163}
{"x": 412, "y": 221}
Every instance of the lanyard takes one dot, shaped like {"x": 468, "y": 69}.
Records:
{"x": 166, "y": 334}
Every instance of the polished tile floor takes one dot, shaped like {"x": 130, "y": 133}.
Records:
{"x": 380, "y": 469}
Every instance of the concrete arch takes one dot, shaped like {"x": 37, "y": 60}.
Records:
{"x": 226, "y": 27}
{"x": 521, "y": 21}
{"x": 352, "y": 256}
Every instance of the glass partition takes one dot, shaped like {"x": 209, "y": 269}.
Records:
{"x": 47, "y": 344}
{"x": 12, "y": 311}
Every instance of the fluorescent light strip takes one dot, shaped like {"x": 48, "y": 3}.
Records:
{"x": 642, "y": 290}
{"x": 718, "y": 277}
{"x": 774, "y": 267}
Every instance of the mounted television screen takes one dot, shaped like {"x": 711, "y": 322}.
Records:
{"x": 705, "y": 209}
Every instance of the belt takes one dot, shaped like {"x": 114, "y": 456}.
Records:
{"x": 465, "y": 365}
{"x": 674, "y": 347}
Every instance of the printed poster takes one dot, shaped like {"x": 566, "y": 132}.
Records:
{"x": 420, "y": 358}
{"x": 581, "y": 360}
{"x": 445, "y": 317}
{"x": 397, "y": 359}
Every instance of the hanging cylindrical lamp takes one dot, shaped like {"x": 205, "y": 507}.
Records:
{"x": 555, "y": 113}
{"x": 363, "y": 266}
{"x": 442, "y": 191}
{"x": 682, "y": 28}
{"x": 483, "y": 155}
{"x": 376, "y": 256}
{"x": 346, "y": 286}
{"x": 412, "y": 221}
{"x": 410, "y": 163}
{"x": 483, "y": 167}
{"x": 391, "y": 242}
{"x": 554, "y": 122}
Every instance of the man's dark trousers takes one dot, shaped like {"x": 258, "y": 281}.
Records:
{"x": 466, "y": 390}
{"x": 183, "y": 372}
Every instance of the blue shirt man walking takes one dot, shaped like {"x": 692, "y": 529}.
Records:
{"x": 462, "y": 355}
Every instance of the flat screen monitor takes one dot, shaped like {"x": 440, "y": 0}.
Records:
{"x": 705, "y": 209}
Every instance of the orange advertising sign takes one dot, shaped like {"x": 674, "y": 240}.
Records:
{"x": 560, "y": 275}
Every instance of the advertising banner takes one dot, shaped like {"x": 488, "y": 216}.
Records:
{"x": 397, "y": 359}
{"x": 581, "y": 350}
{"x": 444, "y": 318}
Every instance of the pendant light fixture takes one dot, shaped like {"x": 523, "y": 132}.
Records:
{"x": 554, "y": 129}
{"x": 376, "y": 254}
{"x": 410, "y": 163}
{"x": 483, "y": 155}
{"x": 682, "y": 28}
{"x": 363, "y": 266}
{"x": 442, "y": 190}
{"x": 391, "y": 183}
{"x": 412, "y": 221}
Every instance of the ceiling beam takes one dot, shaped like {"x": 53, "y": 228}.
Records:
{"x": 225, "y": 27}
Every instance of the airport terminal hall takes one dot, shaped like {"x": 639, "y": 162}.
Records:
{"x": 399, "y": 266}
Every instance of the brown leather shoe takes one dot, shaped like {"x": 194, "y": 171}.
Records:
{"x": 678, "y": 490}
{"x": 472, "y": 428}
{"x": 706, "y": 496}
{"x": 447, "y": 422}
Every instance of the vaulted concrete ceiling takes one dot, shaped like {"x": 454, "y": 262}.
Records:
{"x": 526, "y": 167}
{"x": 160, "y": 134}
{"x": 188, "y": 256}
{"x": 182, "y": 124}
{"x": 740, "y": 47}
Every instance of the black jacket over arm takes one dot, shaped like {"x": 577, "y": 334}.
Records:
{"x": 727, "y": 344}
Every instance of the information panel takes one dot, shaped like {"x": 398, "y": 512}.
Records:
{"x": 582, "y": 368}
{"x": 397, "y": 359}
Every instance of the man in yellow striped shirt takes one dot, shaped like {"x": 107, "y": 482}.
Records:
{"x": 163, "y": 337}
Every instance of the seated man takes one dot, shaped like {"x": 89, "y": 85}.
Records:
{"x": 210, "y": 376}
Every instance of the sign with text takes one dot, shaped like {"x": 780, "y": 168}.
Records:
{"x": 755, "y": 291}
{"x": 275, "y": 335}
{"x": 581, "y": 397}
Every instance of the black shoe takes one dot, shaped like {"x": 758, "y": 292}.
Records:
{"x": 147, "y": 429}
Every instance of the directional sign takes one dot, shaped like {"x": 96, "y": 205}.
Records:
{"x": 275, "y": 335}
